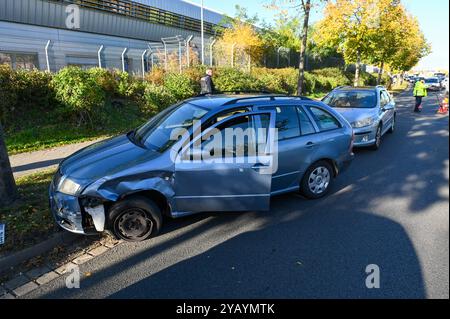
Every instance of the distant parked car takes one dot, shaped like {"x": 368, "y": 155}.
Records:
{"x": 433, "y": 84}
{"x": 370, "y": 110}
{"x": 445, "y": 84}
{"x": 125, "y": 184}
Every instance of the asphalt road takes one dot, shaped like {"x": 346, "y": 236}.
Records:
{"x": 390, "y": 209}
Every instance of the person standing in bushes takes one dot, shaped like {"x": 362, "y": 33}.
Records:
{"x": 420, "y": 91}
{"x": 206, "y": 83}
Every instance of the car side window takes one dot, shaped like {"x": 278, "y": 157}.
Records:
{"x": 324, "y": 120}
{"x": 306, "y": 127}
{"x": 387, "y": 97}
{"x": 224, "y": 115}
{"x": 286, "y": 121}
{"x": 383, "y": 99}
{"x": 245, "y": 145}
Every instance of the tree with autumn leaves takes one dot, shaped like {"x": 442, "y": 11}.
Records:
{"x": 379, "y": 32}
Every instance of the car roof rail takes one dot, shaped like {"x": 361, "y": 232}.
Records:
{"x": 237, "y": 92}
{"x": 272, "y": 97}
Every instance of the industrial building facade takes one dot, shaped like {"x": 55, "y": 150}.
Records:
{"x": 118, "y": 34}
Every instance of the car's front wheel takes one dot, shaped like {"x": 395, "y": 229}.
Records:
{"x": 317, "y": 180}
{"x": 135, "y": 219}
{"x": 392, "y": 128}
{"x": 377, "y": 143}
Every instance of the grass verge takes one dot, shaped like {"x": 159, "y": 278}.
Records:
{"x": 37, "y": 134}
{"x": 398, "y": 88}
{"x": 28, "y": 220}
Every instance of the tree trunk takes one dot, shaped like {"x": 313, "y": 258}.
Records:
{"x": 301, "y": 66}
{"x": 358, "y": 67}
{"x": 8, "y": 190}
{"x": 380, "y": 73}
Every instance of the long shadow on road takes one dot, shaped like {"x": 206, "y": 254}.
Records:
{"x": 304, "y": 258}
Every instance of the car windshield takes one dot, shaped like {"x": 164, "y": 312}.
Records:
{"x": 156, "y": 134}
{"x": 431, "y": 81}
{"x": 352, "y": 99}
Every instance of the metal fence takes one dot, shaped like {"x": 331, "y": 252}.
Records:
{"x": 140, "y": 57}
{"x": 177, "y": 53}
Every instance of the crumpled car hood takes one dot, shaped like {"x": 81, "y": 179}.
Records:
{"x": 105, "y": 158}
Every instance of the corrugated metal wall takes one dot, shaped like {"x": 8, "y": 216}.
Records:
{"x": 52, "y": 14}
{"x": 27, "y": 25}
{"x": 67, "y": 45}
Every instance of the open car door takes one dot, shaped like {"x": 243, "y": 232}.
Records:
{"x": 218, "y": 171}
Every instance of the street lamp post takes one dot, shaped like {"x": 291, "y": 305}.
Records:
{"x": 203, "y": 33}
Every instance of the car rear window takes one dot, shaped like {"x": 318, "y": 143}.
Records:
{"x": 351, "y": 99}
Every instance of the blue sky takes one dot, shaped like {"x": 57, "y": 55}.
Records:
{"x": 432, "y": 15}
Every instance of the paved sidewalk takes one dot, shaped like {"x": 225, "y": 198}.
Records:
{"x": 28, "y": 163}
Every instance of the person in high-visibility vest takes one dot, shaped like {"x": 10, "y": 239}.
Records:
{"x": 420, "y": 91}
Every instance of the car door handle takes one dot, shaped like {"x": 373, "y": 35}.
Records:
{"x": 310, "y": 145}
{"x": 258, "y": 166}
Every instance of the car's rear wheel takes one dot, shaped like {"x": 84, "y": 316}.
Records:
{"x": 377, "y": 143}
{"x": 317, "y": 180}
{"x": 135, "y": 219}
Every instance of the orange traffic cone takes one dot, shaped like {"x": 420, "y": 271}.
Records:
{"x": 443, "y": 106}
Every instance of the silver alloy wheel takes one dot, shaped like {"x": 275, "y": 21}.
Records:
{"x": 319, "y": 180}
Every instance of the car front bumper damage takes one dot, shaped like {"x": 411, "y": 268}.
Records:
{"x": 70, "y": 215}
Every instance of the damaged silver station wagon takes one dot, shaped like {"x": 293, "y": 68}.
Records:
{"x": 125, "y": 184}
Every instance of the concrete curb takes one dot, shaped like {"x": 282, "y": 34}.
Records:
{"x": 25, "y": 283}
{"x": 60, "y": 238}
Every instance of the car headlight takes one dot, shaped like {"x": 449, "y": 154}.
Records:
{"x": 363, "y": 123}
{"x": 69, "y": 187}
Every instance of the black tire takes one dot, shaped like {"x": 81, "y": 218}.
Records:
{"x": 392, "y": 128}
{"x": 135, "y": 219}
{"x": 306, "y": 188}
{"x": 378, "y": 136}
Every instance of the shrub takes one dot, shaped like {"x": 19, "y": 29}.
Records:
{"x": 180, "y": 86}
{"x": 334, "y": 76}
{"x": 289, "y": 77}
{"x": 195, "y": 73}
{"x": 309, "y": 83}
{"x": 229, "y": 79}
{"x": 23, "y": 94}
{"x": 269, "y": 80}
{"x": 129, "y": 87}
{"x": 156, "y": 76}
{"x": 8, "y": 93}
{"x": 79, "y": 93}
{"x": 156, "y": 98}
{"x": 106, "y": 79}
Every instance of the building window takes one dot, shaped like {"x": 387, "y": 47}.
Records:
{"x": 128, "y": 65}
{"x": 26, "y": 61}
{"x": 83, "y": 62}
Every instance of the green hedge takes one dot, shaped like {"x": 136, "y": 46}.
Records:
{"x": 80, "y": 97}
{"x": 23, "y": 93}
